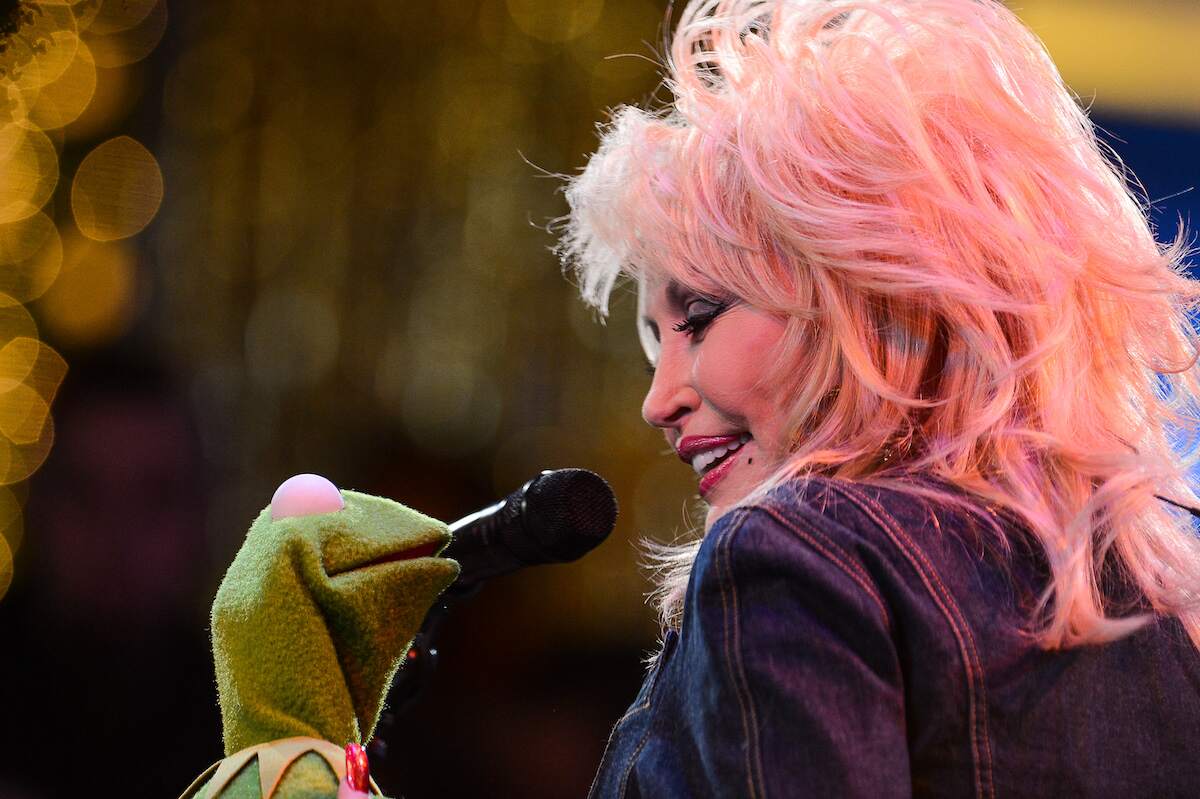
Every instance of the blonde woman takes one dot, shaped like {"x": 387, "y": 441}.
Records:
{"x": 937, "y": 381}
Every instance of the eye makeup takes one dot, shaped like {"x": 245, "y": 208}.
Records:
{"x": 699, "y": 314}
{"x": 697, "y": 310}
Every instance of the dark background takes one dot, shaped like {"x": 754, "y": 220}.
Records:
{"x": 349, "y": 274}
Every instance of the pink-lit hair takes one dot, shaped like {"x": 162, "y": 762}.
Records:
{"x": 969, "y": 284}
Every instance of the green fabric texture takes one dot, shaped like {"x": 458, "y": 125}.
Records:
{"x": 312, "y": 620}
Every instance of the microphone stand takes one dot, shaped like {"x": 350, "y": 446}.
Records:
{"x": 416, "y": 673}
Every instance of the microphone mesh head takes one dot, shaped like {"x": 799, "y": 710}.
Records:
{"x": 571, "y": 510}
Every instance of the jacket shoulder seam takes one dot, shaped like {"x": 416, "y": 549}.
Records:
{"x": 733, "y": 657}
{"x": 950, "y": 611}
{"x": 826, "y": 547}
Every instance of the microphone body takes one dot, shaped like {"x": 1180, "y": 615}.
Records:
{"x": 556, "y": 517}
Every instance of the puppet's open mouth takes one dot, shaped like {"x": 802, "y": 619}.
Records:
{"x": 421, "y": 551}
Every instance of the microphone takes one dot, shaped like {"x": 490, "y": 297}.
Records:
{"x": 557, "y": 517}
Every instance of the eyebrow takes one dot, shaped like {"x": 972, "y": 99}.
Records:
{"x": 677, "y": 293}
{"x": 677, "y": 296}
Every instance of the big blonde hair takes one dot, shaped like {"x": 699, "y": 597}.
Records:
{"x": 968, "y": 280}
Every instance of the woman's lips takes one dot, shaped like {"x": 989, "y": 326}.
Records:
{"x": 691, "y": 446}
{"x": 715, "y": 474}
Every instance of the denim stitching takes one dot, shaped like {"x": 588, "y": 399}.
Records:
{"x": 612, "y": 736}
{"x": 645, "y": 704}
{"x": 981, "y": 721}
{"x": 950, "y": 609}
{"x": 630, "y": 713}
{"x": 835, "y": 555}
{"x": 953, "y": 614}
{"x": 623, "y": 786}
{"x": 974, "y": 666}
{"x": 734, "y": 658}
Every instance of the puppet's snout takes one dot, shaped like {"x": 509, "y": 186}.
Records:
{"x": 305, "y": 495}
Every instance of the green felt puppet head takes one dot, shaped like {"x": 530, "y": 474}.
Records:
{"x": 315, "y": 615}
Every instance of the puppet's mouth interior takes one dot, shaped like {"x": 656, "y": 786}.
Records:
{"x": 420, "y": 551}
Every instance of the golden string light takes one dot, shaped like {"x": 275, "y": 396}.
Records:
{"x": 117, "y": 190}
{"x": 92, "y": 301}
{"x": 61, "y": 101}
{"x": 77, "y": 270}
{"x": 31, "y": 252}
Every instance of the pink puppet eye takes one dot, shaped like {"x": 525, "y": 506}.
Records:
{"x": 305, "y": 495}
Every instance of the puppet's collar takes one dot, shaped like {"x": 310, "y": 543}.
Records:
{"x": 274, "y": 757}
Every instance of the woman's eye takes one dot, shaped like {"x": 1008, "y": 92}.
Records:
{"x": 699, "y": 314}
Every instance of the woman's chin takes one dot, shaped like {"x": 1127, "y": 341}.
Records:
{"x": 720, "y": 503}
{"x": 745, "y": 474}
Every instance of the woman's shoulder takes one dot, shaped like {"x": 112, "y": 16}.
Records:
{"x": 914, "y": 546}
{"x": 937, "y": 596}
{"x": 913, "y": 516}
{"x": 874, "y": 507}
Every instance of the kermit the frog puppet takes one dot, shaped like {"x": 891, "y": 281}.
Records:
{"x": 309, "y": 626}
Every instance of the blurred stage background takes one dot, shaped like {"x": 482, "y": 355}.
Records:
{"x": 260, "y": 239}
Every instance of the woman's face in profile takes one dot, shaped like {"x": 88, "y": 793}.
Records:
{"x": 709, "y": 394}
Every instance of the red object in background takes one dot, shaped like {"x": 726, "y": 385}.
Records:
{"x": 358, "y": 770}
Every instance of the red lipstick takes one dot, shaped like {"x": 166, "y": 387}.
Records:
{"x": 691, "y": 446}
{"x": 714, "y": 475}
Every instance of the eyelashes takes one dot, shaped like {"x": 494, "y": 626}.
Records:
{"x": 700, "y": 314}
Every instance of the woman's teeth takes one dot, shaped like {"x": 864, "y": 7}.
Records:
{"x": 705, "y": 459}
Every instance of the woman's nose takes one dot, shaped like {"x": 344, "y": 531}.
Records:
{"x": 671, "y": 396}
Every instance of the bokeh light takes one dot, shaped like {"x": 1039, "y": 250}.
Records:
{"x": 117, "y": 91}
{"x": 28, "y": 171}
{"x": 62, "y": 101}
{"x": 17, "y": 359}
{"x": 31, "y": 373}
{"x": 282, "y": 211}
{"x": 6, "y": 566}
{"x": 291, "y": 340}
{"x": 18, "y": 461}
{"x": 11, "y": 510}
{"x": 82, "y": 289}
{"x": 86, "y": 11}
{"x": 120, "y": 47}
{"x": 27, "y": 386}
{"x": 222, "y": 75}
{"x": 500, "y": 34}
{"x": 15, "y": 320}
{"x": 555, "y": 22}
{"x": 54, "y": 41}
{"x": 114, "y": 16}
{"x": 31, "y": 256}
{"x": 117, "y": 190}
{"x": 23, "y": 415}
{"x": 47, "y": 373}
{"x": 92, "y": 301}
{"x": 450, "y": 406}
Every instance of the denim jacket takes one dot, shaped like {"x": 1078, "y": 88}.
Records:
{"x": 840, "y": 640}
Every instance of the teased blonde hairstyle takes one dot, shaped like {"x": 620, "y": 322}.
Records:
{"x": 968, "y": 281}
